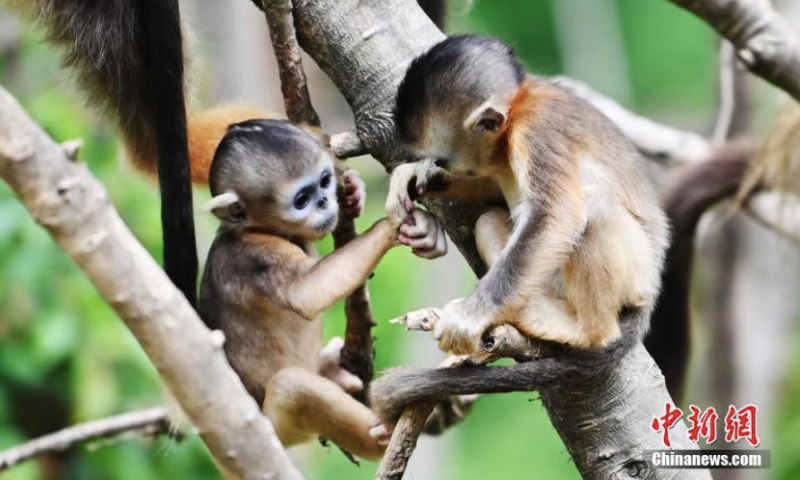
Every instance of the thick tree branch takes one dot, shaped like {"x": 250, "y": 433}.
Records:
{"x": 150, "y": 422}
{"x": 74, "y": 207}
{"x": 764, "y": 40}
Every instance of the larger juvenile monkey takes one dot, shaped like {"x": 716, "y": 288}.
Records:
{"x": 264, "y": 286}
{"x": 578, "y": 259}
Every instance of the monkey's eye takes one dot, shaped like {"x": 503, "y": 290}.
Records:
{"x": 301, "y": 200}
{"x": 326, "y": 180}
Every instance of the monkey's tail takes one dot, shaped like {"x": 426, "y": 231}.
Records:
{"x": 206, "y": 129}
{"x": 400, "y": 387}
{"x": 128, "y": 56}
{"x": 699, "y": 188}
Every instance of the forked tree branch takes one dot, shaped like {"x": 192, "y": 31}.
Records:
{"x": 65, "y": 199}
{"x": 151, "y": 422}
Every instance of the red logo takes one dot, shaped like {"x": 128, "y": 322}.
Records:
{"x": 667, "y": 421}
{"x": 704, "y": 425}
{"x": 739, "y": 424}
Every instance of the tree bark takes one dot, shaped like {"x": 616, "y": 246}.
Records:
{"x": 65, "y": 199}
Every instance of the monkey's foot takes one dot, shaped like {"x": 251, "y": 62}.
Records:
{"x": 420, "y": 320}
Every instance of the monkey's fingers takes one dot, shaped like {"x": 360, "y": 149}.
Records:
{"x": 349, "y": 382}
{"x": 398, "y": 202}
{"x": 420, "y": 320}
{"x": 381, "y": 433}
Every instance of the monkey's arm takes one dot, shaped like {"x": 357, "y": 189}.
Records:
{"x": 336, "y": 276}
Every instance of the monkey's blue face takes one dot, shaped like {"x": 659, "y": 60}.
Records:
{"x": 312, "y": 207}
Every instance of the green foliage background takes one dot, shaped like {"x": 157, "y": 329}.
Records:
{"x": 66, "y": 358}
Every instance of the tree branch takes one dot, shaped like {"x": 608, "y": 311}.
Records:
{"x": 294, "y": 86}
{"x": 765, "y": 42}
{"x": 347, "y": 145}
{"x": 150, "y": 422}
{"x": 65, "y": 199}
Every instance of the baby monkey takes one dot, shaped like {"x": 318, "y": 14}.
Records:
{"x": 578, "y": 259}
{"x": 274, "y": 190}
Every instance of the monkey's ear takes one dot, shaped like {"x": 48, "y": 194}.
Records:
{"x": 486, "y": 118}
{"x": 227, "y": 207}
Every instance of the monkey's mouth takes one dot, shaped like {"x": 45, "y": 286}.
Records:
{"x": 326, "y": 225}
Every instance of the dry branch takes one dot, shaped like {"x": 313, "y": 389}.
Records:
{"x": 150, "y": 422}
{"x": 404, "y": 440}
{"x": 65, "y": 199}
{"x": 347, "y": 145}
{"x": 294, "y": 86}
{"x": 765, "y": 42}
{"x": 503, "y": 341}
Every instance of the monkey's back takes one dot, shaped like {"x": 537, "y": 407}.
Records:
{"x": 239, "y": 294}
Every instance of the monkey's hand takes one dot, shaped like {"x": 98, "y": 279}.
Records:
{"x": 354, "y": 194}
{"x": 424, "y": 234}
{"x": 410, "y": 181}
{"x": 328, "y": 367}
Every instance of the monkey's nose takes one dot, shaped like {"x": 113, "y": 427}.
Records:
{"x": 322, "y": 202}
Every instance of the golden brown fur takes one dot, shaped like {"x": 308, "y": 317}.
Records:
{"x": 578, "y": 260}
{"x": 266, "y": 288}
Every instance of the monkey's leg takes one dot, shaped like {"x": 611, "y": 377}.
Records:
{"x": 491, "y": 234}
{"x": 548, "y": 318}
{"x": 551, "y": 319}
{"x": 303, "y": 405}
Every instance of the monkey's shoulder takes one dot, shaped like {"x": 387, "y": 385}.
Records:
{"x": 249, "y": 256}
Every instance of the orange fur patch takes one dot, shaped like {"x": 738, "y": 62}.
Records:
{"x": 205, "y": 131}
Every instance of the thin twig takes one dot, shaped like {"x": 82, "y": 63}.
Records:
{"x": 151, "y": 422}
{"x": 765, "y": 42}
{"x": 294, "y": 86}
